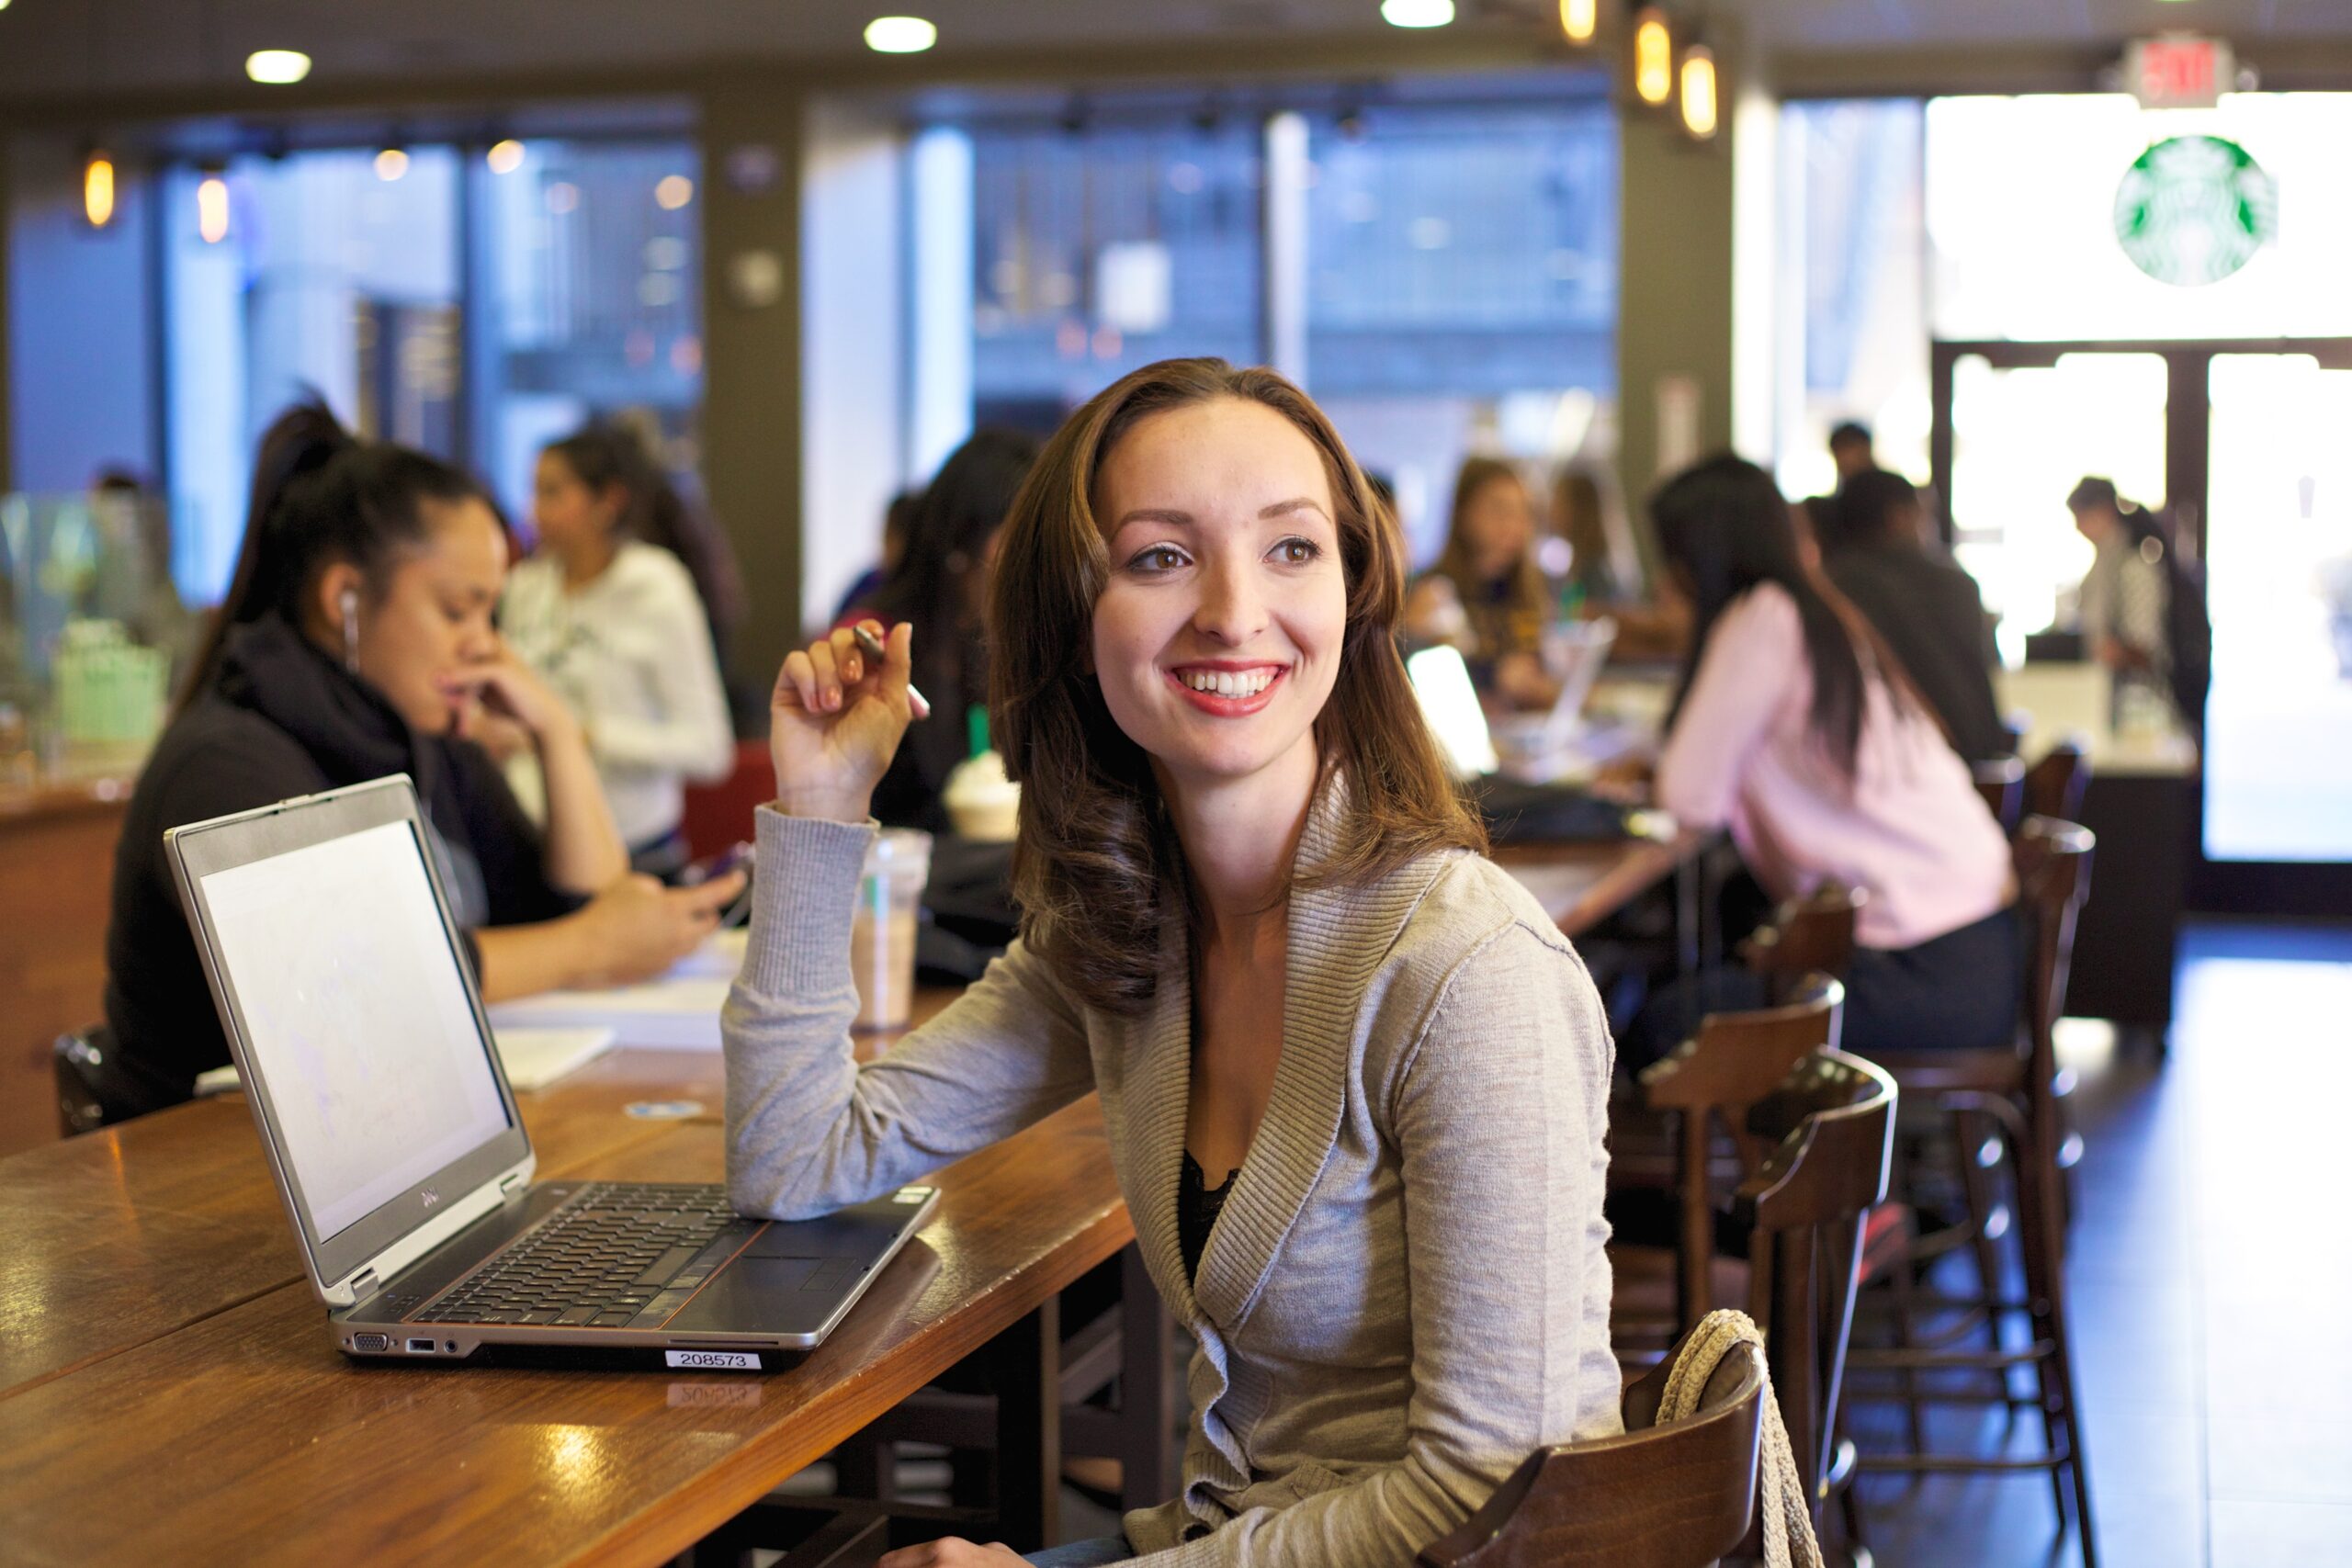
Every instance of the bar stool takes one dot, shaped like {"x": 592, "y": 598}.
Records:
{"x": 2015, "y": 1088}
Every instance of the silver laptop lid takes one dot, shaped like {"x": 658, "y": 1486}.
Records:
{"x": 356, "y": 1024}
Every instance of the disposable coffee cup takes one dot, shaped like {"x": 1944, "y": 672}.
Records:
{"x": 882, "y": 932}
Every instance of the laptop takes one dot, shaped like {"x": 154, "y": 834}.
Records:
{"x": 391, "y": 1128}
{"x": 1519, "y": 810}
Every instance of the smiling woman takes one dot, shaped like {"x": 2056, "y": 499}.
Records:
{"x": 1355, "y": 1082}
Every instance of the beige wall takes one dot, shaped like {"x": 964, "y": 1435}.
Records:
{"x": 1674, "y": 290}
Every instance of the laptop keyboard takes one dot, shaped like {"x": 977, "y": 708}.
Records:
{"x": 615, "y": 1255}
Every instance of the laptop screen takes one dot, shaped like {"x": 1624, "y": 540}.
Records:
{"x": 356, "y": 1016}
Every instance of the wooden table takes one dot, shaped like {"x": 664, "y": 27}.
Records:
{"x": 56, "y": 877}
{"x": 168, "y": 1391}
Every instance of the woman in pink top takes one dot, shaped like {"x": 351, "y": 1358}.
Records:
{"x": 1795, "y": 727}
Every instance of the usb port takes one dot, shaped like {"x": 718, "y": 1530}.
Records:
{"x": 420, "y": 1347}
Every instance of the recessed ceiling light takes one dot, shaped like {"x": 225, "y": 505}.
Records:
{"x": 900, "y": 35}
{"x": 391, "y": 163}
{"x": 1417, "y": 13}
{"x": 277, "y": 67}
{"x": 505, "y": 157}
{"x": 673, "y": 192}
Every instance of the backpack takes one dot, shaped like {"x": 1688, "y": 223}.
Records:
{"x": 2188, "y": 633}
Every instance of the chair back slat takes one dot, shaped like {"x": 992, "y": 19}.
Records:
{"x": 1805, "y": 1209}
{"x": 2053, "y": 868}
{"x": 1678, "y": 1496}
{"x": 1812, "y": 936}
{"x": 1734, "y": 1061}
{"x": 2054, "y": 785}
{"x": 2001, "y": 781}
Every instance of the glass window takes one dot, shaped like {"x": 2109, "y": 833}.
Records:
{"x": 591, "y": 303}
{"x": 1851, "y": 196}
{"x": 315, "y": 274}
{"x": 1100, "y": 249}
{"x": 1462, "y": 286}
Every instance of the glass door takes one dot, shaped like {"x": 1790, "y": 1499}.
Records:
{"x": 2279, "y": 564}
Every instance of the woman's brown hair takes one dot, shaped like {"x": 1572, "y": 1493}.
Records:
{"x": 1529, "y": 595}
{"x": 1097, "y": 858}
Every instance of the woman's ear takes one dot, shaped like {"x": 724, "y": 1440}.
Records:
{"x": 336, "y": 598}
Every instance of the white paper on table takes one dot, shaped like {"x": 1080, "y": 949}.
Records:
{"x": 676, "y": 1012}
{"x": 537, "y": 1057}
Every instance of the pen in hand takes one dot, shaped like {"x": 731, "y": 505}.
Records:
{"x": 871, "y": 646}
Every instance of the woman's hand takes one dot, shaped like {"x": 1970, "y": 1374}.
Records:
{"x": 834, "y": 722}
{"x": 502, "y": 738}
{"x": 952, "y": 1553}
{"x": 637, "y": 927}
{"x": 505, "y": 688}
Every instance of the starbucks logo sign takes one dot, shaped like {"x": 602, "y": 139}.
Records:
{"x": 2193, "y": 209}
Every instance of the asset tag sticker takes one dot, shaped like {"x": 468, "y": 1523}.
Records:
{"x": 714, "y": 1361}
{"x": 663, "y": 1110}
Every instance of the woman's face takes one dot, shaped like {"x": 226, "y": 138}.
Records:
{"x": 433, "y": 622}
{"x": 1217, "y": 635}
{"x": 565, "y": 513}
{"x": 1497, "y": 525}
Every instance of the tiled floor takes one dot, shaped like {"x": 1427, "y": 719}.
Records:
{"x": 2210, "y": 1264}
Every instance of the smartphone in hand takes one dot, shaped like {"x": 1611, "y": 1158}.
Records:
{"x": 735, "y": 857}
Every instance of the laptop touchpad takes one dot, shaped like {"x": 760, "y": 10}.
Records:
{"x": 760, "y": 1295}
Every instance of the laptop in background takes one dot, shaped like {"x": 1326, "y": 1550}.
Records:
{"x": 1516, "y": 810}
{"x": 392, "y": 1132}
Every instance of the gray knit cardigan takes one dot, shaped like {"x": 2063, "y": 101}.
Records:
{"x": 1405, "y": 1293}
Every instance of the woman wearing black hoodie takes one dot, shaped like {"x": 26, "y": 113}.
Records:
{"x": 356, "y": 641}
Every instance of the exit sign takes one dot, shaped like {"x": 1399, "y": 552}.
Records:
{"x": 2177, "y": 72}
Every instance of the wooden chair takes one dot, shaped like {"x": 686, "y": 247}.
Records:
{"x": 1812, "y": 936}
{"x": 2054, "y": 785}
{"x": 1680, "y": 1495}
{"x": 1806, "y": 1211}
{"x": 1708, "y": 1086}
{"x": 2001, "y": 781}
{"x": 2015, "y": 1088}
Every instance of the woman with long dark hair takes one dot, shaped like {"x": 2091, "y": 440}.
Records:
{"x": 1795, "y": 728}
{"x": 939, "y": 586}
{"x": 1355, "y": 1081}
{"x": 356, "y": 642}
{"x": 623, "y": 610}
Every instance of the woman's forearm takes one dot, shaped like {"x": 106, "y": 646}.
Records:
{"x": 523, "y": 961}
{"x": 584, "y": 853}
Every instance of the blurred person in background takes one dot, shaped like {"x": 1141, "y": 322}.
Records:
{"x": 621, "y": 609}
{"x": 356, "y": 642}
{"x": 1926, "y": 609}
{"x": 1796, "y": 731}
{"x": 1605, "y": 574}
{"x": 2143, "y": 603}
{"x": 1852, "y": 449}
{"x": 940, "y": 586}
{"x": 869, "y": 583}
{"x": 1486, "y": 594}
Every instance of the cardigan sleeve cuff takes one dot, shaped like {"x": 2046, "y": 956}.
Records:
{"x": 805, "y": 889}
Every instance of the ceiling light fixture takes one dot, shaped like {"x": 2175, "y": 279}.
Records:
{"x": 1700, "y": 113}
{"x": 1653, "y": 57}
{"x": 1578, "y": 20}
{"x": 277, "y": 67}
{"x": 212, "y": 207}
{"x": 504, "y": 157}
{"x": 1417, "y": 13}
{"x": 900, "y": 35}
{"x": 391, "y": 163}
{"x": 97, "y": 189}
{"x": 673, "y": 192}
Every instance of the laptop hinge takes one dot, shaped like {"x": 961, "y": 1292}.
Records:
{"x": 365, "y": 1285}
{"x": 511, "y": 1182}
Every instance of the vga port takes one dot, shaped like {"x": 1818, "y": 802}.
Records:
{"x": 368, "y": 1342}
